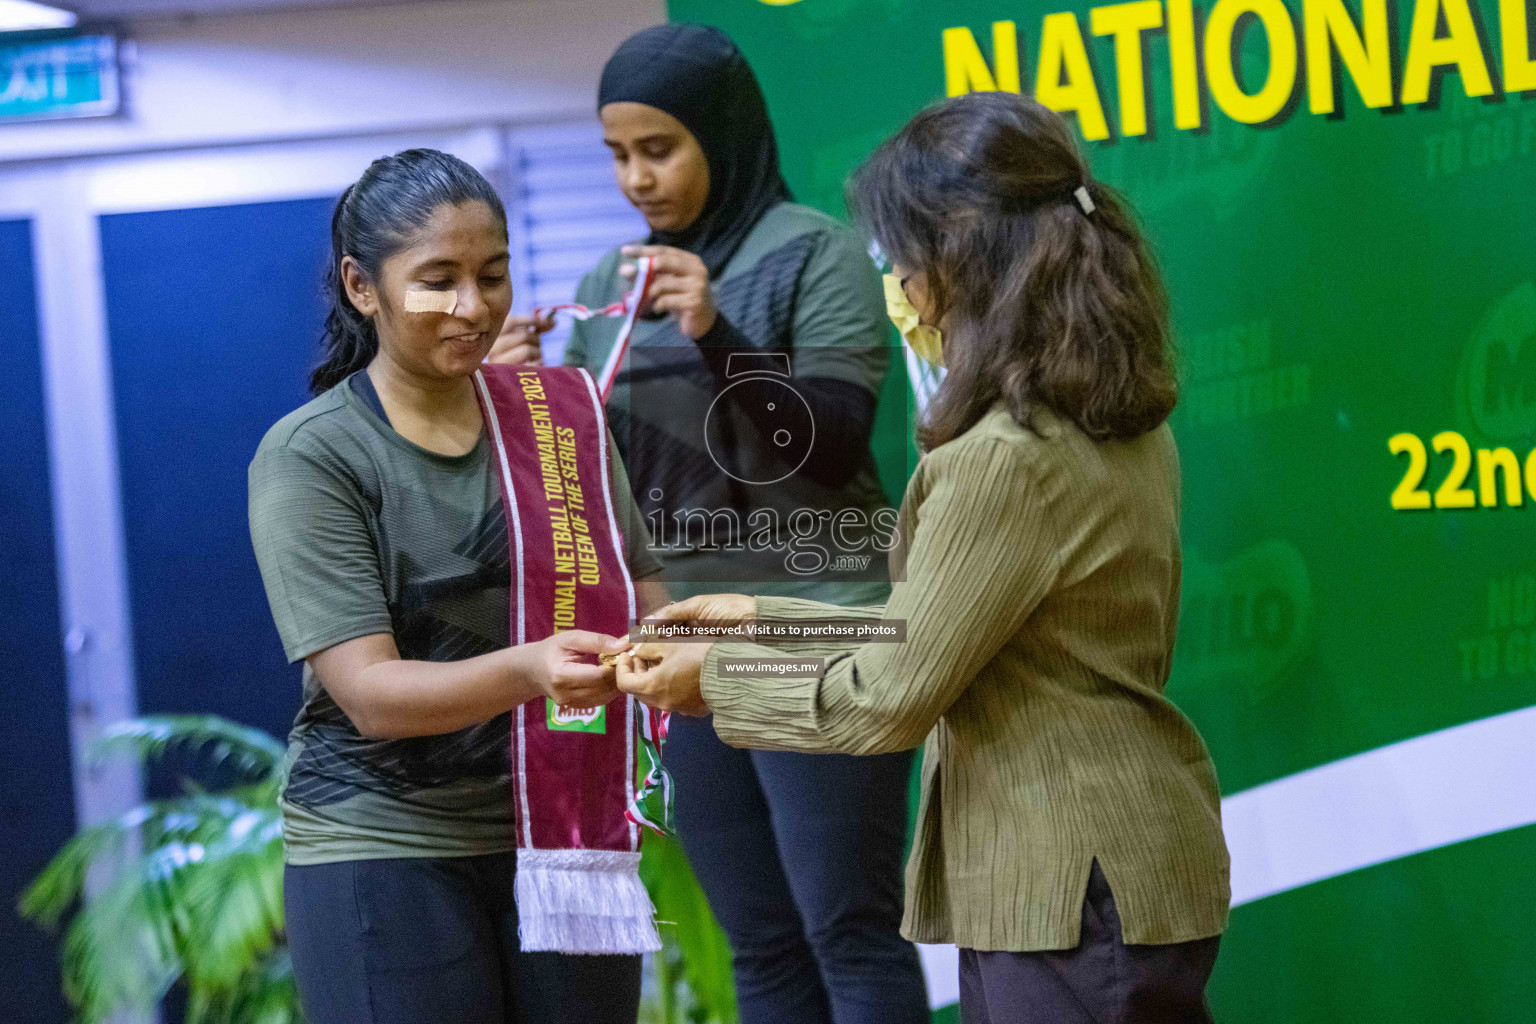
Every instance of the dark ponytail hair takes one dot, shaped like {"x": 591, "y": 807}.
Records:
{"x": 375, "y": 218}
{"x": 1045, "y": 304}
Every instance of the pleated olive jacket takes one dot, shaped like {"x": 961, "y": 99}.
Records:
{"x": 1041, "y": 596}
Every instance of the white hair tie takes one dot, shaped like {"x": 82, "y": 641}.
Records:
{"x": 1084, "y": 199}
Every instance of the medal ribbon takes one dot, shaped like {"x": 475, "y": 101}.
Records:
{"x": 628, "y": 307}
{"x": 651, "y": 803}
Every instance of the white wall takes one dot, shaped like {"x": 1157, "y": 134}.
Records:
{"x": 307, "y": 74}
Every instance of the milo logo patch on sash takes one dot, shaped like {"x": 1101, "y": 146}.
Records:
{"x": 561, "y": 719}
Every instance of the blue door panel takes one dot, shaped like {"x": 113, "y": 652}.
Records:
{"x": 36, "y": 792}
{"x": 214, "y": 316}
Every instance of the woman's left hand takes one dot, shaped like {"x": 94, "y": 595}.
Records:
{"x": 679, "y": 285}
{"x": 664, "y": 676}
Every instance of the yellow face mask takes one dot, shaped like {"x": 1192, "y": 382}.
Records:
{"x": 925, "y": 339}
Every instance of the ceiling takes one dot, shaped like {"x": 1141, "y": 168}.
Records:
{"x": 145, "y": 10}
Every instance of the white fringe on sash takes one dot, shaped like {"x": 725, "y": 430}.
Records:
{"x": 583, "y": 901}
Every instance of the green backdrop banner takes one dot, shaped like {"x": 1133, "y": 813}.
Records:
{"x": 1342, "y": 198}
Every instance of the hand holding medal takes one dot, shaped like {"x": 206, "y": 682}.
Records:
{"x": 679, "y": 285}
{"x": 666, "y": 675}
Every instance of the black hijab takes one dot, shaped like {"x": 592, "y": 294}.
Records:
{"x": 696, "y": 74}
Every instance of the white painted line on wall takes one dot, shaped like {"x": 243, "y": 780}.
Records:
{"x": 1419, "y": 794}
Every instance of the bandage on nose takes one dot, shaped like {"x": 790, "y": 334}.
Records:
{"x": 425, "y": 300}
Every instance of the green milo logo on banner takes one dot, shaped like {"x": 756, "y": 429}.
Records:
{"x": 562, "y": 719}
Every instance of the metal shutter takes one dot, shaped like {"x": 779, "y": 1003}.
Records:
{"x": 566, "y": 212}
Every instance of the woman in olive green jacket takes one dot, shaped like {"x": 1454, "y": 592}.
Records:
{"x": 1069, "y": 838}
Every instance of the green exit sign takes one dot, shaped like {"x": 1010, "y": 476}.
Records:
{"x": 44, "y": 78}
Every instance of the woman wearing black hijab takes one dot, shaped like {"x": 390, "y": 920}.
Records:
{"x": 745, "y": 410}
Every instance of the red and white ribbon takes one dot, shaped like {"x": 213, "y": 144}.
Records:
{"x": 628, "y": 307}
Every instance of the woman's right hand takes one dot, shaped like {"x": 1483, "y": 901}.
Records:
{"x": 564, "y": 668}
{"x": 518, "y": 342}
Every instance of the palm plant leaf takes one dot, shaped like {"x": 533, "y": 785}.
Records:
{"x": 60, "y": 884}
{"x": 267, "y": 996}
{"x": 196, "y": 817}
{"x": 202, "y": 901}
{"x": 687, "y": 924}
{"x": 249, "y": 751}
{"x": 235, "y": 903}
{"x": 121, "y": 950}
{"x": 207, "y": 905}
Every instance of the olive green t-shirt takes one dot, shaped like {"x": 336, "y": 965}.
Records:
{"x": 359, "y": 531}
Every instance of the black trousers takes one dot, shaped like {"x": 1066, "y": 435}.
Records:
{"x": 1101, "y": 981}
{"x": 434, "y": 941}
{"x": 800, "y": 858}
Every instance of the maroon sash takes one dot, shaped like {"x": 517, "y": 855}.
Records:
{"x": 578, "y": 886}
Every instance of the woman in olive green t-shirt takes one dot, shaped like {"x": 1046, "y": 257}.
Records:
{"x": 378, "y": 523}
{"x": 1069, "y": 838}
